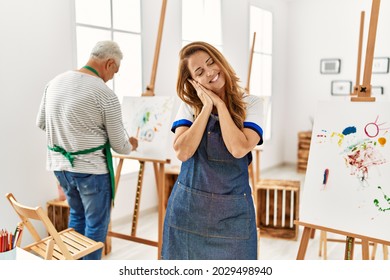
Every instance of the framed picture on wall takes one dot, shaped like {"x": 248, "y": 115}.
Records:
{"x": 330, "y": 66}
{"x": 380, "y": 65}
{"x": 375, "y": 90}
{"x": 339, "y": 87}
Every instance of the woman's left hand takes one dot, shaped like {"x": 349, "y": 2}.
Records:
{"x": 214, "y": 97}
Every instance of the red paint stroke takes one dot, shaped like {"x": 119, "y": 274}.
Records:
{"x": 372, "y": 129}
{"x": 361, "y": 158}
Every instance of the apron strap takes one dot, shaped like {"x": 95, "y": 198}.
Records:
{"x": 110, "y": 166}
{"x": 107, "y": 148}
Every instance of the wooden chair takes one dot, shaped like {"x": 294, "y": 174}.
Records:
{"x": 65, "y": 245}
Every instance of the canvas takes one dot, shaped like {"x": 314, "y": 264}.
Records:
{"x": 148, "y": 118}
{"x": 347, "y": 185}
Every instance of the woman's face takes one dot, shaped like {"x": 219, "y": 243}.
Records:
{"x": 204, "y": 70}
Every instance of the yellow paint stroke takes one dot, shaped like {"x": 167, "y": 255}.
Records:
{"x": 340, "y": 135}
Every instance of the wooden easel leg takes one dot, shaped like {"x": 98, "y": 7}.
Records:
{"x": 251, "y": 175}
{"x": 257, "y": 175}
{"x": 323, "y": 245}
{"x": 118, "y": 174}
{"x": 252, "y": 182}
{"x": 385, "y": 252}
{"x": 373, "y": 253}
{"x": 321, "y": 242}
{"x": 304, "y": 242}
{"x": 159, "y": 172}
{"x": 137, "y": 198}
{"x": 365, "y": 249}
{"x": 312, "y": 233}
{"x": 349, "y": 247}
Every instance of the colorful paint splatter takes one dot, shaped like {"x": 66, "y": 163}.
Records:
{"x": 387, "y": 199}
{"x": 360, "y": 157}
{"x": 148, "y": 120}
{"x": 359, "y": 153}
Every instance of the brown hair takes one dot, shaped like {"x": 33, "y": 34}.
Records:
{"x": 187, "y": 93}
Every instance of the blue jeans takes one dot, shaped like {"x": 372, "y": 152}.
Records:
{"x": 89, "y": 199}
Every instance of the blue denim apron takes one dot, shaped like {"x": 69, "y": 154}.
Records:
{"x": 210, "y": 212}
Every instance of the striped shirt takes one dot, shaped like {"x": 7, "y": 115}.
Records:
{"x": 78, "y": 112}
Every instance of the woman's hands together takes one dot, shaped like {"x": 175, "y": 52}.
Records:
{"x": 208, "y": 97}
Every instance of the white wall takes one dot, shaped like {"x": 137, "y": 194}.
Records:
{"x": 237, "y": 43}
{"x": 36, "y": 44}
{"x": 325, "y": 29}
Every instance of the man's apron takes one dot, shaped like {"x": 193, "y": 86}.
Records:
{"x": 106, "y": 147}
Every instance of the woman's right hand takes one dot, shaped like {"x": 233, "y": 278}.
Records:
{"x": 203, "y": 96}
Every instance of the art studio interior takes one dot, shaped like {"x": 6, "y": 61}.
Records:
{"x": 293, "y": 54}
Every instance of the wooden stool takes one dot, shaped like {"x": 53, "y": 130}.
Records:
{"x": 304, "y": 139}
{"x": 58, "y": 212}
{"x": 277, "y": 208}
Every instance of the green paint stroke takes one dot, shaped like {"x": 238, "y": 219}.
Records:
{"x": 146, "y": 117}
{"x": 386, "y": 197}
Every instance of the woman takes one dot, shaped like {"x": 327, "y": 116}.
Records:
{"x": 210, "y": 212}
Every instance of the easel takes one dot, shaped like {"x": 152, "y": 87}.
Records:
{"x": 349, "y": 241}
{"x": 323, "y": 246}
{"x": 159, "y": 170}
{"x": 363, "y": 95}
{"x": 359, "y": 57}
{"x": 253, "y": 177}
{"x": 158, "y": 166}
{"x": 364, "y": 90}
{"x": 248, "y": 81}
{"x": 254, "y": 173}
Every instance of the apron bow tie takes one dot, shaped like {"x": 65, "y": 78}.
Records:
{"x": 62, "y": 151}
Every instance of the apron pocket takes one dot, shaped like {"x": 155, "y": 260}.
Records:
{"x": 210, "y": 215}
{"x": 216, "y": 148}
{"x": 230, "y": 217}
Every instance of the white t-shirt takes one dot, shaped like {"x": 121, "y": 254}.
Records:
{"x": 253, "y": 120}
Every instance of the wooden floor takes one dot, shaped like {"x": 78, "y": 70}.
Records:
{"x": 269, "y": 249}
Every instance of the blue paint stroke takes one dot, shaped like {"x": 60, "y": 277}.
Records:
{"x": 349, "y": 130}
{"x": 326, "y": 174}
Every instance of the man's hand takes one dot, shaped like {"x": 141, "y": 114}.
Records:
{"x": 134, "y": 143}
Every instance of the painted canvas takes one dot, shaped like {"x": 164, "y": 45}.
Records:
{"x": 148, "y": 118}
{"x": 347, "y": 184}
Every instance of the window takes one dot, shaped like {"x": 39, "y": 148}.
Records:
{"x": 120, "y": 21}
{"x": 201, "y": 21}
{"x": 261, "y": 74}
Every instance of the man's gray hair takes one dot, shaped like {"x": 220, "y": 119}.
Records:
{"x": 107, "y": 50}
